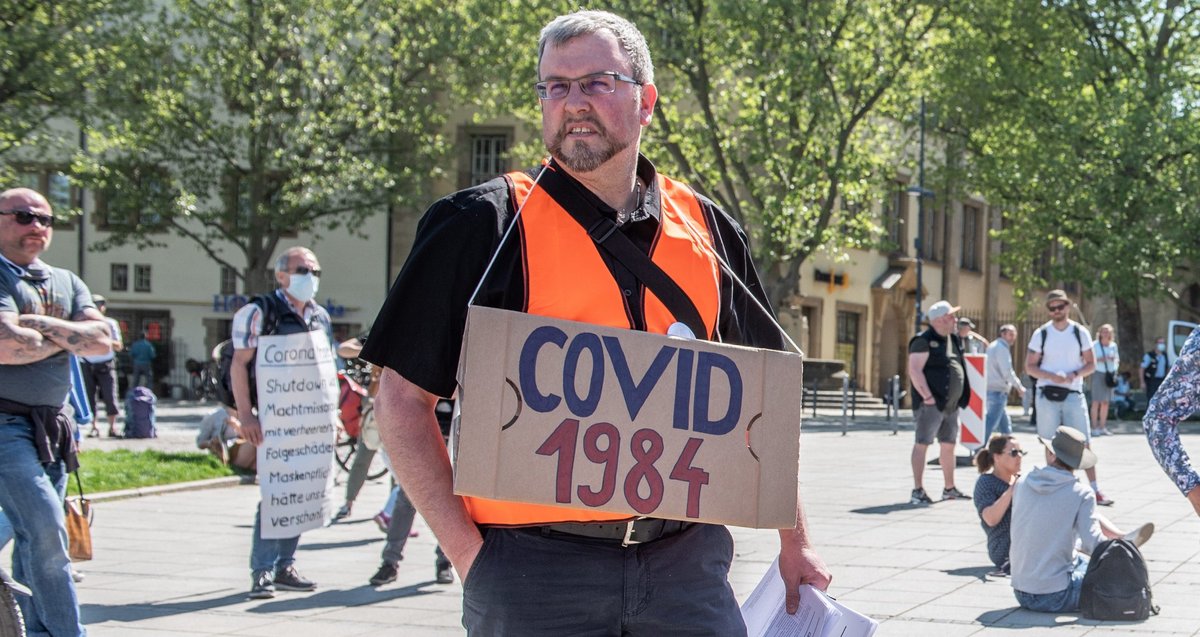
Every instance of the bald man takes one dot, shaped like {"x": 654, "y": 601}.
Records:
{"x": 46, "y": 314}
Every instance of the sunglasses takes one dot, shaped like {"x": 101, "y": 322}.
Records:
{"x": 1057, "y": 307}
{"x": 302, "y": 270}
{"x": 1016, "y": 453}
{"x": 26, "y": 217}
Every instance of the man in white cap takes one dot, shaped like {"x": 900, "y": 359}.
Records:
{"x": 939, "y": 389}
{"x": 1050, "y": 509}
{"x": 1060, "y": 356}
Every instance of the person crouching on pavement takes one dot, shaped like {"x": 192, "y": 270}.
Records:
{"x": 1050, "y": 510}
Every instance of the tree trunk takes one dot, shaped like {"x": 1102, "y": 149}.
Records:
{"x": 1129, "y": 332}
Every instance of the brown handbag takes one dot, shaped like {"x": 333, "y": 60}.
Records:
{"x": 79, "y": 513}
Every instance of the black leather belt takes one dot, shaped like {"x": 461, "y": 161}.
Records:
{"x": 637, "y": 531}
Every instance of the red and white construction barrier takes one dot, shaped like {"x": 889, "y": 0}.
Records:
{"x": 971, "y": 420}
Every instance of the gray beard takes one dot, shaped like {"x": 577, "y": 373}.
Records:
{"x": 582, "y": 158}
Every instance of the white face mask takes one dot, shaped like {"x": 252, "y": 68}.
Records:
{"x": 303, "y": 287}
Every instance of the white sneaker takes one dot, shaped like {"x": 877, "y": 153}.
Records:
{"x": 1140, "y": 535}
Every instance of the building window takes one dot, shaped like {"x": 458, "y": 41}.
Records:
{"x": 141, "y": 278}
{"x": 972, "y": 218}
{"x": 228, "y": 280}
{"x": 933, "y": 232}
{"x": 144, "y": 191}
{"x": 846, "y": 349}
{"x": 895, "y": 219}
{"x": 488, "y": 157}
{"x": 118, "y": 277}
{"x": 485, "y": 153}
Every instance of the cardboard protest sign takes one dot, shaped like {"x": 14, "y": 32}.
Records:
{"x": 297, "y": 407}
{"x": 570, "y": 414}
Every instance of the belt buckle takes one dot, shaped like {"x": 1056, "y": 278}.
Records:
{"x": 628, "y": 539}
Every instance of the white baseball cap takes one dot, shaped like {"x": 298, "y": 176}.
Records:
{"x": 940, "y": 309}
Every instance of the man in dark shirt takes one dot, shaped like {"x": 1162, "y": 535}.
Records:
{"x": 597, "y": 93}
{"x": 938, "y": 373}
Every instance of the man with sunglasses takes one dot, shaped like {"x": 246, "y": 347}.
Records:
{"x": 533, "y": 571}
{"x": 46, "y": 314}
{"x": 1060, "y": 356}
{"x": 291, "y": 309}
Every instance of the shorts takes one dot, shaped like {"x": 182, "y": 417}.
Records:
{"x": 1072, "y": 412}
{"x": 931, "y": 420}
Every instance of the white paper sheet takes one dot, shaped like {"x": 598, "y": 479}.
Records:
{"x": 818, "y": 616}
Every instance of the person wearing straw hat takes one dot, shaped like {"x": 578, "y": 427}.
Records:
{"x": 568, "y": 569}
{"x": 1050, "y": 510}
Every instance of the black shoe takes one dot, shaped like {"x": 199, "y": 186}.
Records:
{"x": 954, "y": 494}
{"x": 919, "y": 497}
{"x": 261, "y": 586}
{"x": 343, "y": 512}
{"x": 445, "y": 573}
{"x": 385, "y": 575}
{"x": 289, "y": 580}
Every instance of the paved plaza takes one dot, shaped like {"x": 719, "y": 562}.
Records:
{"x": 176, "y": 563}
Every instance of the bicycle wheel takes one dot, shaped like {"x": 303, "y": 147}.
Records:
{"x": 344, "y": 452}
{"x": 12, "y": 624}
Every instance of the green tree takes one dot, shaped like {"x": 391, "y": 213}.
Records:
{"x": 783, "y": 112}
{"x": 1079, "y": 117}
{"x": 257, "y": 119}
{"x": 52, "y": 56}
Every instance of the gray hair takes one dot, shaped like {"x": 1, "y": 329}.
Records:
{"x": 1008, "y": 327}
{"x": 565, "y": 28}
{"x": 285, "y": 258}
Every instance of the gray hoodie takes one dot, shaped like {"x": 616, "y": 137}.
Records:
{"x": 1050, "y": 509}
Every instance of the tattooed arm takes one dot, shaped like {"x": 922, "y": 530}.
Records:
{"x": 20, "y": 345}
{"x": 89, "y": 335}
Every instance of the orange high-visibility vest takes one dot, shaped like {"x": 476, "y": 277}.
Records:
{"x": 566, "y": 278}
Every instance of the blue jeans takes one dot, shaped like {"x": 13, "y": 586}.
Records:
{"x": 998, "y": 420}
{"x": 1064, "y": 601}
{"x": 270, "y": 555}
{"x": 31, "y": 495}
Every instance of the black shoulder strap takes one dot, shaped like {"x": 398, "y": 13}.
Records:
{"x": 604, "y": 233}
{"x": 270, "y": 320}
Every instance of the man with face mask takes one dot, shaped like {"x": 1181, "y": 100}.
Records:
{"x": 1154, "y": 367}
{"x": 291, "y": 309}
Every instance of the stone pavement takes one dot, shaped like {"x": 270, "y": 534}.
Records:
{"x": 176, "y": 564}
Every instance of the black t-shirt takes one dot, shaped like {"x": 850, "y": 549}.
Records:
{"x": 418, "y": 333}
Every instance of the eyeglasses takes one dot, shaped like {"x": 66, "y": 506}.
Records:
{"x": 594, "y": 84}
{"x": 26, "y": 217}
{"x": 1057, "y": 307}
{"x": 302, "y": 270}
{"x": 1016, "y": 453}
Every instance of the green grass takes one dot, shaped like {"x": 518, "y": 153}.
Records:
{"x": 125, "y": 469}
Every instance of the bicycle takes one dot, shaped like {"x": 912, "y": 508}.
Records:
{"x": 203, "y": 379}
{"x": 356, "y": 428}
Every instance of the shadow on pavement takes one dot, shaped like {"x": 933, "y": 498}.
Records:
{"x": 320, "y": 546}
{"x": 978, "y": 572}
{"x": 885, "y": 509}
{"x": 98, "y": 613}
{"x": 342, "y": 598}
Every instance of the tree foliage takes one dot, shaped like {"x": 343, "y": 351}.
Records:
{"x": 783, "y": 112}
{"x": 1079, "y": 117}
{"x": 52, "y": 54}
{"x": 254, "y": 120}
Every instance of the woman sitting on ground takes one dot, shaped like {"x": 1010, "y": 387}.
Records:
{"x": 1000, "y": 463}
{"x": 1001, "y": 456}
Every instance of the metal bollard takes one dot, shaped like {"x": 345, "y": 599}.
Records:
{"x": 845, "y": 403}
{"x": 895, "y": 406}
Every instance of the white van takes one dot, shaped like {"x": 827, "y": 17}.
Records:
{"x": 1177, "y": 334}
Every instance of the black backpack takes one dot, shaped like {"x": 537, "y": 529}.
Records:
{"x": 1116, "y": 586}
{"x": 223, "y": 353}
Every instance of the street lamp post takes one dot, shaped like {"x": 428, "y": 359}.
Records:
{"x": 918, "y": 243}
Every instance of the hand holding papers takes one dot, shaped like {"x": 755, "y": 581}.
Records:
{"x": 819, "y": 615}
